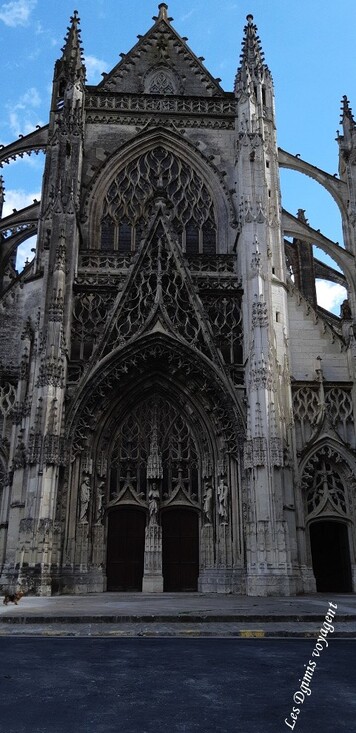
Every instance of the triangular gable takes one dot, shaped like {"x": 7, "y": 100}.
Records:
{"x": 162, "y": 63}
{"x": 159, "y": 296}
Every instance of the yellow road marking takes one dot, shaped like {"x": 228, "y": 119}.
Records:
{"x": 252, "y": 633}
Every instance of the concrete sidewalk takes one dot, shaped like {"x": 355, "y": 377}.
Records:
{"x": 177, "y": 614}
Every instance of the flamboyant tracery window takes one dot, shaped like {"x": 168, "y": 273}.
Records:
{"x": 132, "y": 196}
{"x": 162, "y": 83}
{"x": 322, "y": 483}
{"x": 157, "y": 425}
{"x": 225, "y": 316}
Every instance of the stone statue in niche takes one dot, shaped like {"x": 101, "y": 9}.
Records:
{"x": 100, "y": 505}
{"x": 208, "y": 504}
{"x": 153, "y": 504}
{"x": 223, "y": 491}
{"x": 85, "y": 490}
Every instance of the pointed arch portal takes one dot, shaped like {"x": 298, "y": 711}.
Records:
{"x": 155, "y": 446}
{"x": 331, "y": 556}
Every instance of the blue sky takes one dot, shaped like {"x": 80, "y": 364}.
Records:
{"x": 309, "y": 48}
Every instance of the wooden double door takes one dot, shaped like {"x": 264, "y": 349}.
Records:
{"x": 180, "y": 550}
{"x": 331, "y": 556}
{"x": 125, "y": 549}
{"x": 126, "y": 544}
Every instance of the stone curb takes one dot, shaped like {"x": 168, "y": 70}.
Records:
{"x": 183, "y": 618}
{"x": 188, "y": 633}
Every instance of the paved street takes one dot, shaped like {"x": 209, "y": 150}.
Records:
{"x": 173, "y": 686}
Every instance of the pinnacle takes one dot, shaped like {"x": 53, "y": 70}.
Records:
{"x": 252, "y": 55}
{"x": 73, "y": 50}
{"x": 346, "y": 111}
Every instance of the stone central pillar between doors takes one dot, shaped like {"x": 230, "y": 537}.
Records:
{"x": 152, "y": 575}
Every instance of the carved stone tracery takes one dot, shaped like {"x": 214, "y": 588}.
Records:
{"x": 159, "y": 288}
{"x": 170, "y": 359}
{"x": 225, "y": 317}
{"x": 177, "y": 455}
{"x": 322, "y": 482}
{"x": 131, "y": 197}
{"x": 310, "y": 406}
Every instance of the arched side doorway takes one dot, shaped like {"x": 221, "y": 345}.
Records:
{"x": 329, "y": 544}
{"x": 180, "y": 550}
{"x": 328, "y": 507}
{"x": 125, "y": 549}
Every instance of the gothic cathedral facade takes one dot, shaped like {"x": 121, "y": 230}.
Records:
{"x": 177, "y": 411}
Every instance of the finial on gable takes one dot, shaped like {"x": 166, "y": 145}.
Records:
{"x": 162, "y": 13}
{"x": 163, "y": 8}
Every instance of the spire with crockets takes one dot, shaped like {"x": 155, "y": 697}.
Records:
{"x": 252, "y": 54}
{"x": 72, "y": 61}
{"x": 253, "y": 78}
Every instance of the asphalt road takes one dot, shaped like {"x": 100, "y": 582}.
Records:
{"x": 173, "y": 686}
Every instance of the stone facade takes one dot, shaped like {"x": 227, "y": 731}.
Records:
{"x": 177, "y": 411}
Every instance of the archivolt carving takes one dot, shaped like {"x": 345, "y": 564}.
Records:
{"x": 322, "y": 482}
{"x": 190, "y": 374}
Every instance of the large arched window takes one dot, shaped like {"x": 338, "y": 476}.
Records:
{"x": 133, "y": 195}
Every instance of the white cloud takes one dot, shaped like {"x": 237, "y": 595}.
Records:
{"x": 187, "y": 15}
{"x": 330, "y": 295}
{"x": 21, "y": 113}
{"x": 18, "y": 199}
{"x": 24, "y": 253}
{"x": 17, "y": 12}
{"x": 31, "y": 98}
{"x": 94, "y": 69}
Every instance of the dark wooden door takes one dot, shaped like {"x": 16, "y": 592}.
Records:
{"x": 180, "y": 550}
{"x": 126, "y": 544}
{"x": 331, "y": 556}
